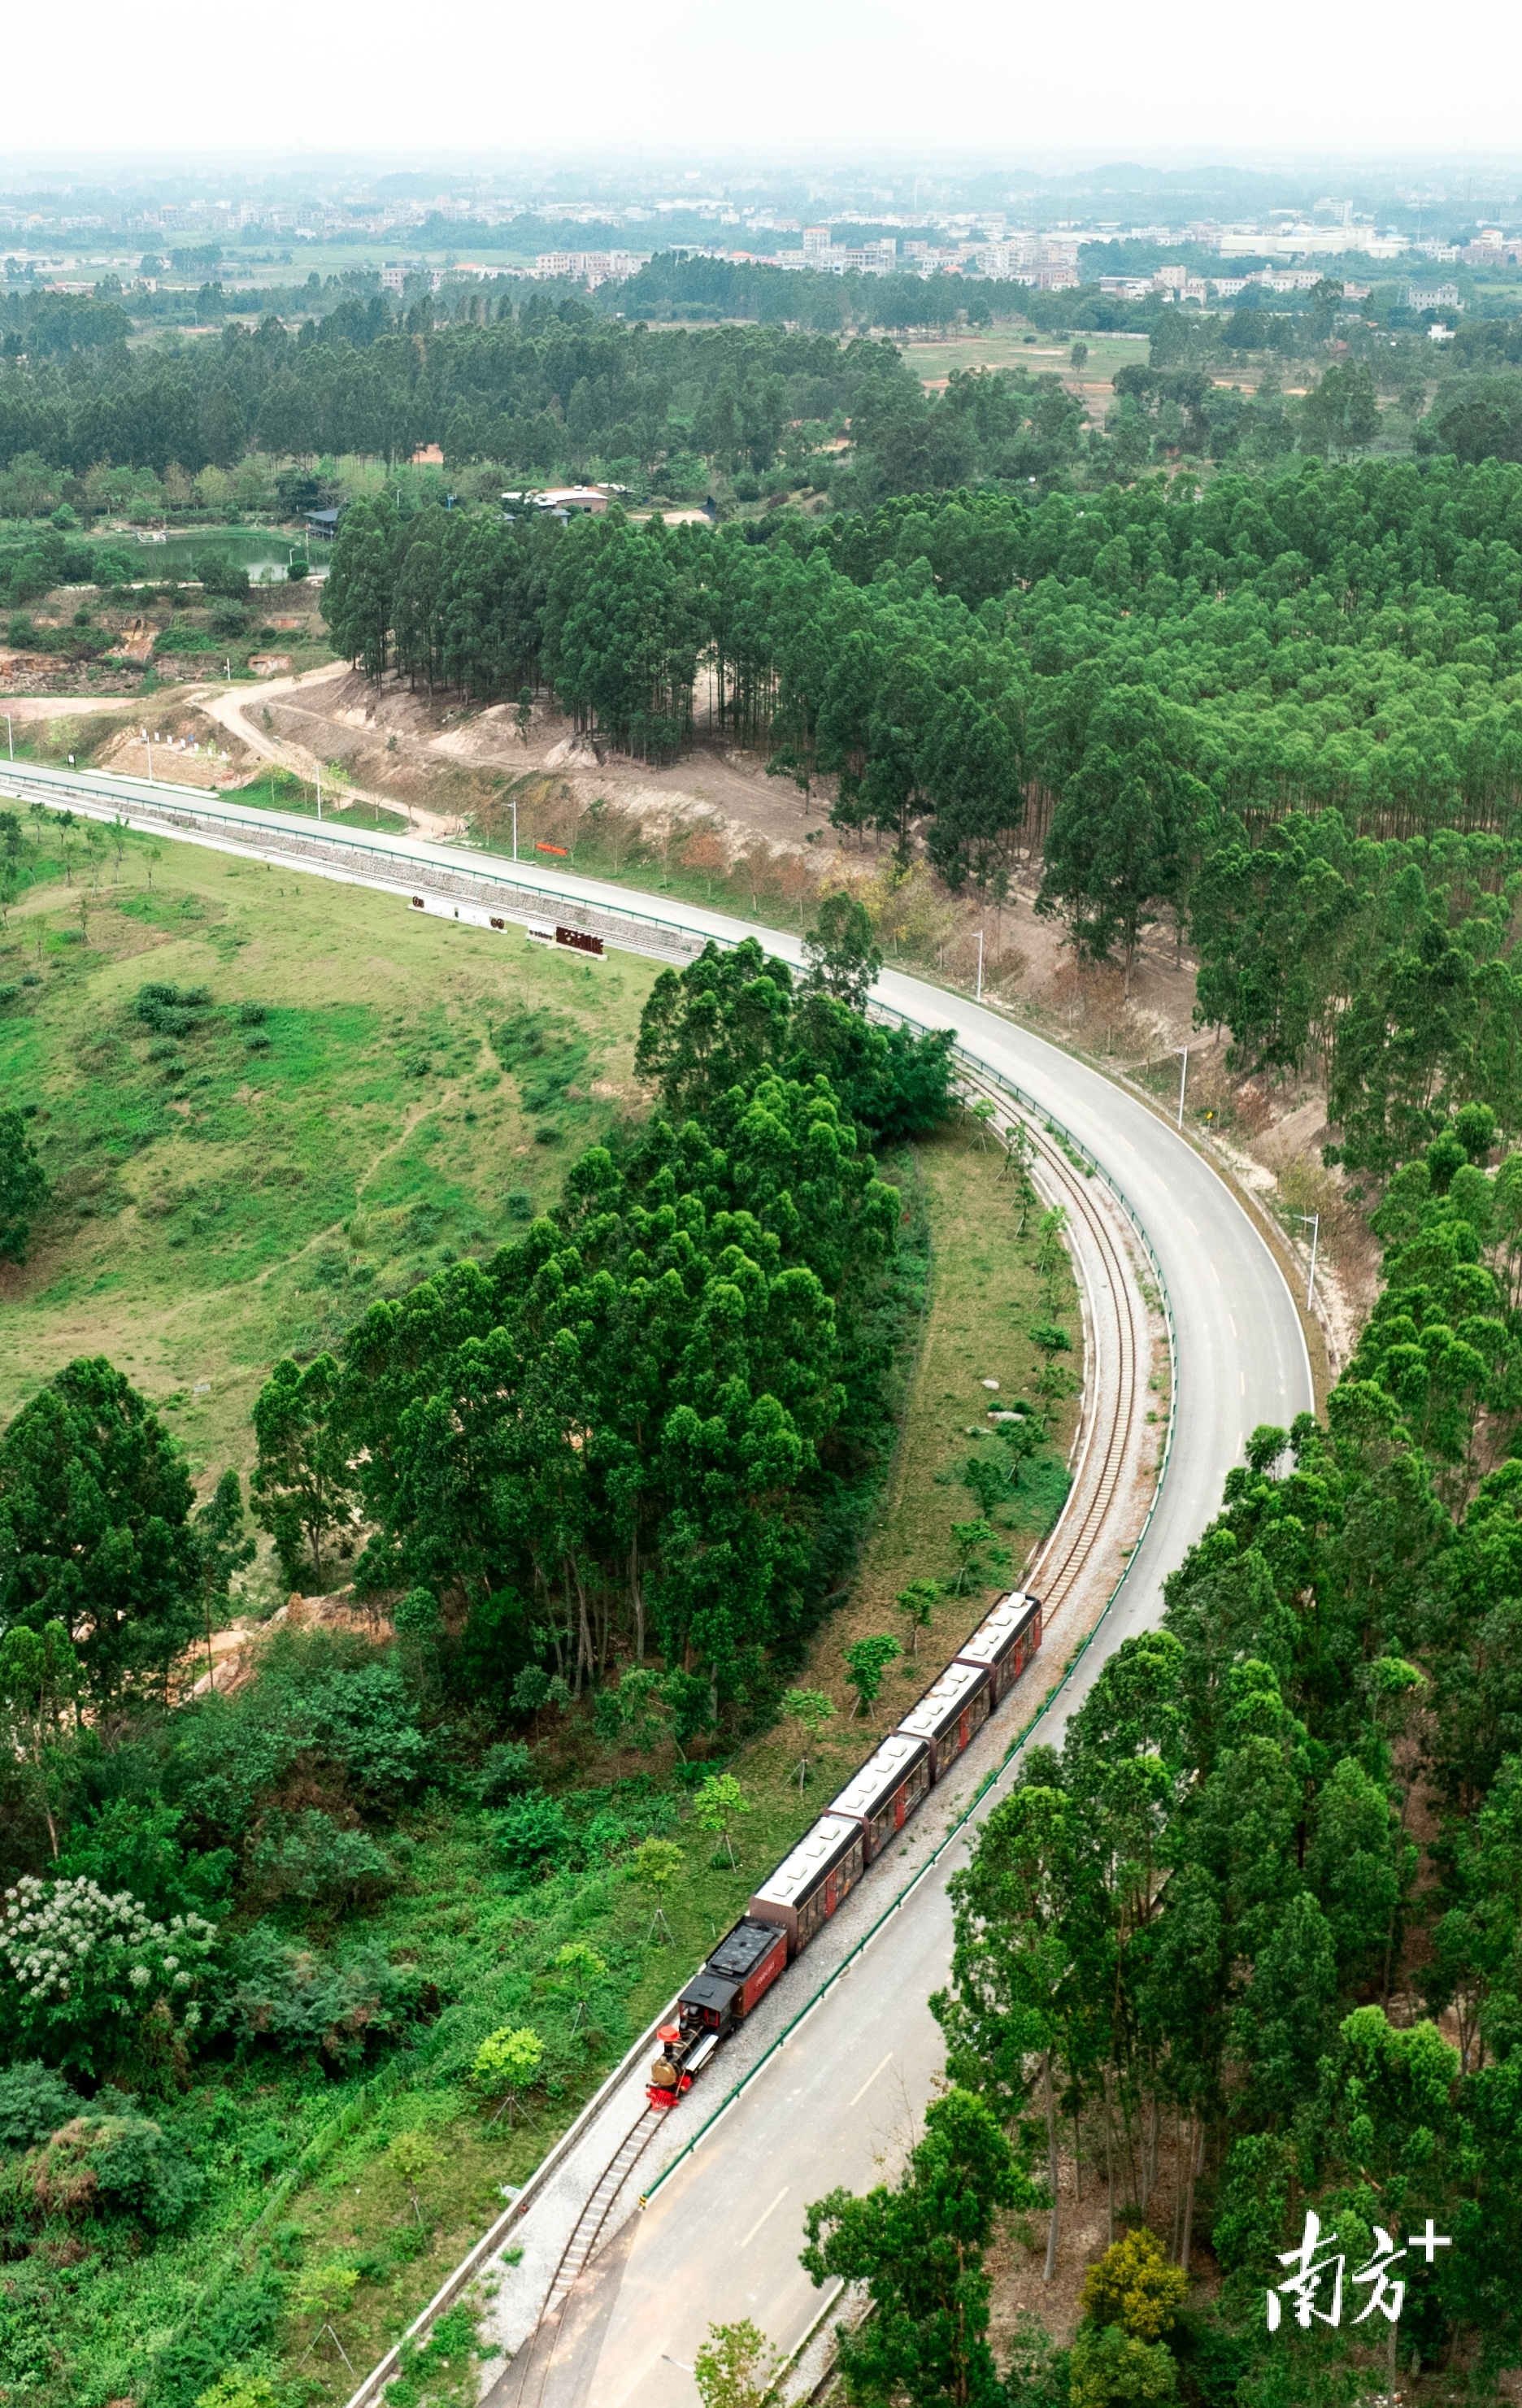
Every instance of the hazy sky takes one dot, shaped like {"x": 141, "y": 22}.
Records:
{"x": 1100, "y": 77}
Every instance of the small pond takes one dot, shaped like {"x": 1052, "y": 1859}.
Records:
{"x": 263, "y": 552}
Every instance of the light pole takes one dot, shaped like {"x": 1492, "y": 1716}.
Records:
{"x": 1312, "y": 1222}
{"x": 149, "y": 741}
{"x": 11, "y": 746}
{"x": 515, "y": 827}
{"x": 1183, "y": 1073}
{"x": 318, "y": 794}
{"x": 980, "y": 965}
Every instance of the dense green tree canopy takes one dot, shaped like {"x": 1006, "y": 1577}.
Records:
{"x": 94, "y": 1526}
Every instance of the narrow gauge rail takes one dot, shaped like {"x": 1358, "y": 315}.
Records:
{"x": 1111, "y": 1401}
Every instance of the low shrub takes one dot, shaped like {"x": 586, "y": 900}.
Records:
{"x": 114, "y": 2165}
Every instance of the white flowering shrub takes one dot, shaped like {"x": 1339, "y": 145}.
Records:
{"x": 86, "y": 1974}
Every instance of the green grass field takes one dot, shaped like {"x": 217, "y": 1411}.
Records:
{"x": 243, "y": 1193}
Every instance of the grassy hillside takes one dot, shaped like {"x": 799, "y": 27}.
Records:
{"x": 338, "y": 1119}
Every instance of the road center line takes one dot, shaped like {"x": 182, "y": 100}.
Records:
{"x": 872, "y": 2077}
{"x": 762, "y": 2217}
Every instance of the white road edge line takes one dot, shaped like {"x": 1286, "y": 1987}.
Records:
{"x": 762, "y": 2217}
{"x": 871, "y": 2078}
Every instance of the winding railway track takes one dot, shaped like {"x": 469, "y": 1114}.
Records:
{"x": 1116, "y": 1344}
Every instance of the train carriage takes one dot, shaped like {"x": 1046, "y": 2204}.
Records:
{"x": 950, "y": 1714}
{"x": 883, "y": 1794}
{"x": 738, "y": 1975}
{"x": 1006, "y": 1642}
{"x": 809, "y": 1884}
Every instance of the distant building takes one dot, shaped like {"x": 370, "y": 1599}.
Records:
{"x": 866, "y": 258}
{"x": 1311, "y": 242}
{"x": 1487, "y": 250}
{"x": 569, "y": 501}
{"x": 590, "y": 266}
{"x": 1432, "y": 296}
{"x": 816, "y": 242}
{"x": 1440, "y": 334}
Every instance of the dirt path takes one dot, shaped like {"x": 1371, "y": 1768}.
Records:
{"x": 237, "y": 710}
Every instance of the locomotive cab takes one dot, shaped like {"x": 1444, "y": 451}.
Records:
{"x": 710, "y": 2004}
{"x": 737, "y": 1975}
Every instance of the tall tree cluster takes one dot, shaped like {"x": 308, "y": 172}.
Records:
{"x": 637, "y": 1429}
{"x": 1258, "y": 712}
{"x": 1384, "y": 965}
{"x": 551, "y": 384}
{"x": 1202, "y": 1947}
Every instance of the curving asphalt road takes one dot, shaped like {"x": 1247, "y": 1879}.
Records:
{"x": 719, "y": 2238}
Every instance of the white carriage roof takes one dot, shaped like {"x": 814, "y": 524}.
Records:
{"x": 941, "y": 1705}
{"x": 998, "y": 1628}
{"x": 881, "y": 1775}
{"x": 815, "y": 1852}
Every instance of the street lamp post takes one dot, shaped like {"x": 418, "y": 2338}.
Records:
{"x": 1183, "y": 1073}
{"x": 318, "y": 794}
{"x": 980, "y": 965}
{"x": 11, "y": 746}
{"x": 515, "y": 827}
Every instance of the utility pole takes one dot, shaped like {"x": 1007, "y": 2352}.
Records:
{"x": 515, "y": 827}
{"x": 1183, "y": 1073}
{"x": 1312, "y": 1222}
{"x": 318, "y": 794}
{"x": 980, "y": 965}
{"x": 11, "y": 746}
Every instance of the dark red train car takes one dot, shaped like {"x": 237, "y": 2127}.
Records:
{"x": 883, "y": 1794}
{"x": 738, "y": 1975}
{"x": 808, "y": 1886}
{"x": 1006, "y": 1642}
{"x": 949, "y": 1715}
